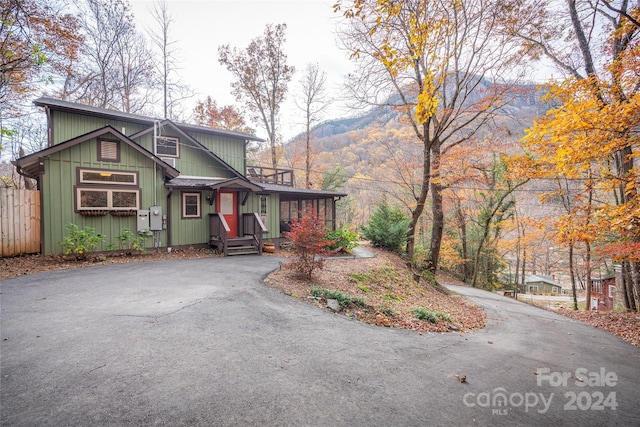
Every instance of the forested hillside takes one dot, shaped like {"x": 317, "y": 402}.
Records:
{"x": 377, "y": 157}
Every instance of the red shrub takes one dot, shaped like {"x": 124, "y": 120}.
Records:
{"x": 309, "y": 241}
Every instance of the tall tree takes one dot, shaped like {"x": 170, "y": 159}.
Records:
{"x": 261, "y": 79}
{"x": 36, "y": 38}
{"x": 444, "y": 66}
{"x": 115, "y": 68}
{"x": 174, "y": 91}
{"x": 207, "y": 113}
{"x": 313, "y": 102}
{"x": 595, "y": 128}
{"x": 497, "y": 204}
{"x": 33, "y": 36}
{"x": 135, "y": 71}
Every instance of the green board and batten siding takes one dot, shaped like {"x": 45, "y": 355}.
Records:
{"x": 189, "y": 231}
{"x": 273, "y": 215}
{"x": 231, "y": 150}
{"x": 67, "y": 126}
{"x": 58, "y": 192}
{"x": 60, "y": 179}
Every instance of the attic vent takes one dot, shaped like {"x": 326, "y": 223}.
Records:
{"x": 169, "y": 160}
{"x": 109, "y": 151}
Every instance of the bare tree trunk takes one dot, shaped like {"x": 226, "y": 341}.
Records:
{"x": 476, "y": 261}
{"x": 627, "y": 287}
{"x": 574, "y": 290}
{"x": 517, "y": 272}
{"x": 420, "y": 202}
{"x": 636, "y": 285}
{"x": 437, "y": 226}
{"x": 314, "y": 102}
{"x": 524, "y": 269}
{"x": 462, "y": 225}
{"x": 307, "y": 168}
{"x": 587, "y": 265}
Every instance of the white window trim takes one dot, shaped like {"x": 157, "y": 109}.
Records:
{"x": 172, "y": 138}
{"x": 109, "y": 192}
{"x": 184, "y": 205}
{"x": 263, "y": 215}
{"x": 107, "y": 171}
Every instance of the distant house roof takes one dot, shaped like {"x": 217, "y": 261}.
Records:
{"x": 135, "y": 118}
{"x": 535, "y": 278}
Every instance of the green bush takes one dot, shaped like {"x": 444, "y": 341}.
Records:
{"x": 430, "y": 316}
{"x": 388, "y": 311}
{"x": 79, "y": 242}
{"x": 390, "y": 296}
{"x": 127, "y": 240}
{"x": 343, "y": 299}
{"x": 343, "y": 239}
{"x": 387, "y": 227}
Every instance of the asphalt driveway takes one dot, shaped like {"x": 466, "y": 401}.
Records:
{"x": 204, "y": 342}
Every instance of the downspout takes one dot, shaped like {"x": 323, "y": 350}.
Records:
{"x": 40, "y": 180}
{"x": 156, "y": 234}
{"x": 155, "y": 165}
{"x": 244, "y": 156}
{"x": 48, "y": 113}
{"x": 169, "y": 239}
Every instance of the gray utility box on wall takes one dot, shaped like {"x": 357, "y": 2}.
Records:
{"x": 143, "y": 220}
{"x": 155, "y": 218}
{"x": 150, "y": 219}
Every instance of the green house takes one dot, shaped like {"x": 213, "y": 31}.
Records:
{"x": 188, "y": 185}
{"x": 539, "y": 284}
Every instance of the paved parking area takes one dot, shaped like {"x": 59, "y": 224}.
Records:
{"x": 204, "y": 342}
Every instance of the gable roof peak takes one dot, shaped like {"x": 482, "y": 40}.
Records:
{"x": 74, "y": 107}
{"x": 28, "y": 165}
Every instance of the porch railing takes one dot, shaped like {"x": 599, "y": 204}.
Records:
{"x": 253, "y": 226}
{"x": 270, "y": 175}
{"x": 219, "y": 232}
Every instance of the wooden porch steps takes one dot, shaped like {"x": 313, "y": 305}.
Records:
{"x": 249, "y": 243}
{"x": 237, "y": 245}
{"x": 242, "y": 250}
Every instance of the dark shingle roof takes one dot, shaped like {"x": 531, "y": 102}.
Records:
{"x": 135, "y": 118}
{"x": 284, "y": 189}
{"x": 213, "y": 183}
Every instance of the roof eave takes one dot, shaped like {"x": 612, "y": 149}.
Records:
{"x": 119, "y": 115}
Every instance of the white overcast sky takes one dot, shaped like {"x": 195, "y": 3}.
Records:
{"x": 200, "y": 26}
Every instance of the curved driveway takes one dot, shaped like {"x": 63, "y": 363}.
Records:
{"x": 204, "y": 342}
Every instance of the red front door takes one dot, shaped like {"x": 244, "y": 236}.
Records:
{"x": 228, "y": 207}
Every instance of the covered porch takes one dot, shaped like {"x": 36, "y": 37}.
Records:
{"x": 231, "y": 229}
{"x": 292, "y": 202}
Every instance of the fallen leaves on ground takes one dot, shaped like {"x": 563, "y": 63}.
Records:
{"x": 625, "y": 325}
{"x": 388, "y": 290}
{"x": 31, "y": 264}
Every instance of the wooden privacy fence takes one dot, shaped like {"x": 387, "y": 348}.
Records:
{"x": 19, "y": 221}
